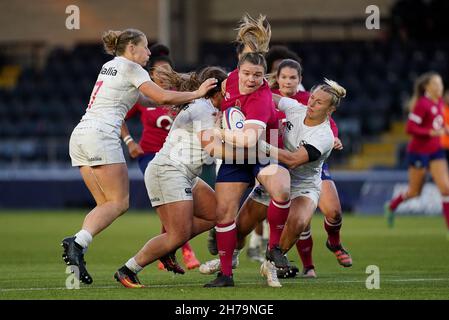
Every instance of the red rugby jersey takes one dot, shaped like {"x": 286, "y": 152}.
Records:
{"x": 426, "y": 115}
{"x": 258, "y": 107}
{"x": 156, "y": 123}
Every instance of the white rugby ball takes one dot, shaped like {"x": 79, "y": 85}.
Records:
{"x": 233, "y": 119}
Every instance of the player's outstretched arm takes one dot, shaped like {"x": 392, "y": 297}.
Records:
{"x": 167, "y": 97}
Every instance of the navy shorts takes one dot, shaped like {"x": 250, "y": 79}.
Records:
{"x": 325, "y": 174}
{"x": 422, "y": 160}
{"x": 144, "y": 160}
{"x": 240, "y": 172}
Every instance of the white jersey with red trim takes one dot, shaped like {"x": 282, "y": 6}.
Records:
{"x": 115, "y": 93}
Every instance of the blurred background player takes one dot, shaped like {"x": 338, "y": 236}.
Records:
{"x": 425, "y": 125}
{"x": 445, "y": 136}
{"x": 156, "y": 123}
{"x": 95, "y": 145}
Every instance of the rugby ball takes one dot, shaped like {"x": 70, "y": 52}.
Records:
{"x": 233, "y": 119}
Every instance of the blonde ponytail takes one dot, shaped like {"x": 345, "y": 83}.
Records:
{"x": 254, "y": 34}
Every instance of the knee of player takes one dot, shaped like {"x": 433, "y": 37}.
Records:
{"x": 225, "y": 211}
{"x": 445, "y": 191}
{"x": 183, "y": 238}
{"x": 282, "y": 194}
{"x": 122, "y": 205}
{"x": 299, "y": 225}
{"x": 333, "y": 214}
{"x": 179, "y": 236}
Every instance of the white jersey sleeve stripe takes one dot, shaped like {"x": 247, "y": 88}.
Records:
{"x": 258, "y": 122}
{"x": 415, "y": 118}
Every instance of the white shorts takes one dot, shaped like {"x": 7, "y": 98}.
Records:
{"x": 90, "y": 146}
{"x": 167, "y": 184}
{"x": 261, "y": 196}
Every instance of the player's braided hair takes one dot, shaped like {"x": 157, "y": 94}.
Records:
{"x": 254, "y": 33}
{"x": 420, "y": 87}
{"x": 336, "y": 91}
{"x": 115, "y": 42}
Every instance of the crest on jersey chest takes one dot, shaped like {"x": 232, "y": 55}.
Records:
{"x": 288, "y": 126}
{"x": 434, "y": 110}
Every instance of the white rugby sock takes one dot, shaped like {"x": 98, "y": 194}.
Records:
{"x": 133, "y": 266}
{"x": 255, "y": 240}
{"x": 83, "y": 238}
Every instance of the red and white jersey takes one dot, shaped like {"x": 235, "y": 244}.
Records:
{"x": 115, "y": 92}
{"x": 156, "y": 124}
{"x": 258, "y": 107}
{"x": 427, "y": 115}
{"x": 303, "y": 98}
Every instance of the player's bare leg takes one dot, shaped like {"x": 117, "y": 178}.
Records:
{"x": 301, "y": 212}
{"x": 416, "y": 179}
{"x": 205, "y": 205}
{"x": 108, "y": 185}
{"x": 176, "y": 217}
{"x": 276, "y": 181}
{"x": 329, "y": 205}
{"x": 112, "y": 179}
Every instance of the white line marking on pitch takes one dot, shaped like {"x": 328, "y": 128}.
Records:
{"x": 200, "y": 283}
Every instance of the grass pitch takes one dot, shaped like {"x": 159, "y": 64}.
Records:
{"x": 413, "y": 260}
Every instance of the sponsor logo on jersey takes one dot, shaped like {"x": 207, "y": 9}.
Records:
{"x": 111, "y": 71}
{"x": 155, "y": 199}
{"x": 95, "y": 158}
{"x": 438, "y": 122}
{"x": 188, "y": 190}
{"x": 258, "y": 191}
{"x": 288, "y": 126}
{"x": 434, "y": 110}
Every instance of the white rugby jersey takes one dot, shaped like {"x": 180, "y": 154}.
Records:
{"x": 115, "y": 92}
{"x": 182, "y": 146}
{"x": 297, "y": 134}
